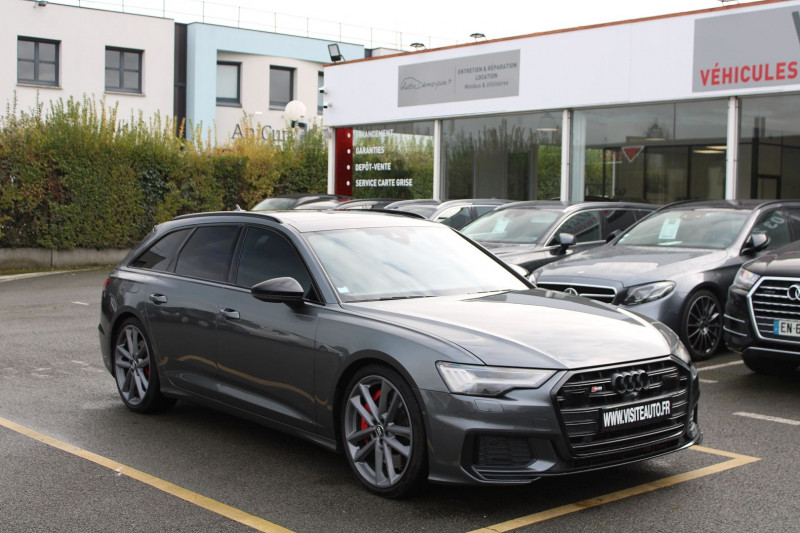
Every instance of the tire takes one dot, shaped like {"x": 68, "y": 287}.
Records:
{"x": 769, "y": 367}
{"x": 701, "y": 325}
{"x": 388, "y": 452}
{"x": 135, "y": 370}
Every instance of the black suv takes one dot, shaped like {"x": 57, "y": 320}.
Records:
{"x": 762, "y": 316}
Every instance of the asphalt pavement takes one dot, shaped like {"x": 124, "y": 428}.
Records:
{"x": 74, "y": 459}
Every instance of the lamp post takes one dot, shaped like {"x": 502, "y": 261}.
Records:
{"x": 295, "y": 113}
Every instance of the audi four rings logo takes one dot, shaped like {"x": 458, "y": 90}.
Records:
{"x": 634, "y": 381}
{"x": 794, "y": 292}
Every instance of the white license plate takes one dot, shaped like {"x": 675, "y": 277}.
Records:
{"x": 635, "y": 415}
{"x": 789, "y": 328}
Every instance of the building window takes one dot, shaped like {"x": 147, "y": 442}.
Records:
{"x": 320, "y": 84}
{"x": 228, "y": 86}
{"x": 37, "y": 61}
{"x": 123, "y": 70}
{"x": 281, "y": 87}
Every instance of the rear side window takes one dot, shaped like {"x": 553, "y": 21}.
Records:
{"x": 207, "y": 254}
{"x": 159, "y": 255}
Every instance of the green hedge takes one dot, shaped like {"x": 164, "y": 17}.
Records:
{"x": 74, "y": 175}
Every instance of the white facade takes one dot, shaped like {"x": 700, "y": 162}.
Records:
{"x": 82, "y": 36}
{"x": 703, "y": 104}
{"x": 615, "y": 64}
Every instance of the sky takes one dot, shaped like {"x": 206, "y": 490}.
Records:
{"x": 493, "y": 18}
{"x": 399, "y": 23}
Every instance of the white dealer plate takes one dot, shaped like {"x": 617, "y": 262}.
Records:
{"x": 635, "y": 415}
{"x": 789, "y": 328}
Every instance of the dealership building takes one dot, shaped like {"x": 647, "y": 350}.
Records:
{"x": 693, "y": 105}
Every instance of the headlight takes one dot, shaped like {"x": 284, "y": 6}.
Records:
{"x": 488, "y": 380}
{"x": 648, "y": 292}
{"x": 745, "y": 279}
{"x": 680, "y": 351}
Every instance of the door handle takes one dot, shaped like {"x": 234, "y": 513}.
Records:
{"x": 231, "y": 314}
{"x": 158, "y": 298}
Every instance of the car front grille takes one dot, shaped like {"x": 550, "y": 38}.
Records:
{"x": 586, "y": 395}
{"x": 595, "y": 292}
{"x": 771, "y": 302}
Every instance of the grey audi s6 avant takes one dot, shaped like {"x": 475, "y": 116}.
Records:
{"x": 396, "y": 341}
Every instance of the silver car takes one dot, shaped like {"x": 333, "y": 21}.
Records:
{"x": 676, "y": 265}
{"x": 396, "y": 341}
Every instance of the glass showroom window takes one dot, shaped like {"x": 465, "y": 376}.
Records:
{"x": 37, "y": 61}
{"x": 123, "y": 70}
{"x": 228, "y": 83}
{"x": 658, "y": 153}
{"x": 281, "y": 87}
{"x": 517, "y": 157}
{"x": 769, "y": 147}
{"x": 393, "y": 160}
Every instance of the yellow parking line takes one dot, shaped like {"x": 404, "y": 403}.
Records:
{"x": 192, "y": 497}
{"x": 735, "y": 461}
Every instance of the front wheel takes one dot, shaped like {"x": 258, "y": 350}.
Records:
{"x": 383, "y": 434}
{"x": 701, "y": 325}
{"x": 135, "y": 370}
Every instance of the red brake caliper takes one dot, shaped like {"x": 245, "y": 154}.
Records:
{"x": 375, "y": 397}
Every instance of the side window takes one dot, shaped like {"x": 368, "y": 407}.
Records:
{"x": 618, "y": 219}
{"x": 793, "y": 214}
{"x": 455, "y": 217}
{"x": 266, "y": 255}
{"x": 207, "y": 254}
{"x": 281, "y": 87}
{"x": 159, "y": 255}
{"x": 584, "y": 225}
{"x": 774, "y": 224}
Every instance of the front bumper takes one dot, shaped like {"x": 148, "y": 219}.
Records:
{"x": 528, "y": 434}
{"x": 740, "y": 334}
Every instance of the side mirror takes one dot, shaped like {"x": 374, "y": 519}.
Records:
{"x": 565, "y": 240}
{"x": 278, "y": 290}
{"x": 755, "y": 243}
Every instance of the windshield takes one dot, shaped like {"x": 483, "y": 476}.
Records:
{"x": 693, "y": 228}
{"x": 407, "y": 262}
{"x": 515, "y": 226}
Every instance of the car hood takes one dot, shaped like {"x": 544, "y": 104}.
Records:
{"x": 632, "y": 265}
{"x": 528, "y": 328}
{"x": 784, "y": 262}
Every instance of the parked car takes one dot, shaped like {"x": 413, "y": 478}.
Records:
{"x": 458, "y": 213}
{"x": 420, "y": 207}
{"x": 299, "y": 200}
{"x": 762, "y": 315}
{"x": 394, "y": 340}
{"x": 676, "y": 265}
{"x": 533, "y": 233}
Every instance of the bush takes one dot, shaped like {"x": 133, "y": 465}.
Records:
{"x": 75, "y": 175}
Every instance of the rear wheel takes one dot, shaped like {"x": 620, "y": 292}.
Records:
{"x": 701, "y": 325}
{"x": 135, "y": 370}
{"x": 383, "y": 434}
